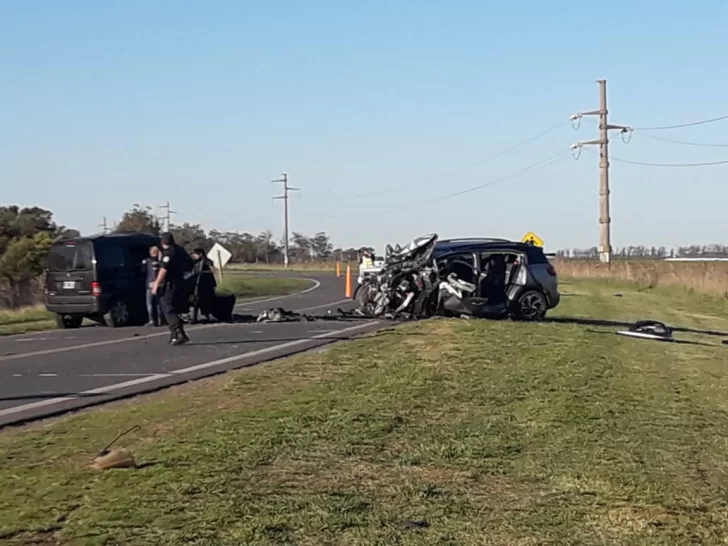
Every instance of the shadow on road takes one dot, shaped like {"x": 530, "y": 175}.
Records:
{"x": 585, "y": 321}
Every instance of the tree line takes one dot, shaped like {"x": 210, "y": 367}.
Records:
{"x": 27, "y": 233}
{"x": 645, "y": 252}
{"x": 245, "y": 247}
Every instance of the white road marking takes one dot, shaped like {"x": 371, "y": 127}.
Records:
{"x": 182, "y": 371}
{"x": 150, "y": 336}
{"x": 47, "y": 375}
{"x": 114, "y": 374}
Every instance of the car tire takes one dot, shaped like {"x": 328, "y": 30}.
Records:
{"x": 531, "y": 306}
{"x": 118, "y": 314}
{"x": 67, "y": 322}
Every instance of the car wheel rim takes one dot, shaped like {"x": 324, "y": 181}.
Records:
{"x": 532, "y": 306}
{"x": 119, "y": 313}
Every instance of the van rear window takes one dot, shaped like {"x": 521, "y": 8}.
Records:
{"x": 70, "y": 257}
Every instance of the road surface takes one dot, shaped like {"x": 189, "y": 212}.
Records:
{"x": 48, "y": 373}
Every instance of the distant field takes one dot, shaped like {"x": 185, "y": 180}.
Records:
{"x": 306, "y": 266}
{"x": 446, "y": 432}
{"x": 703, "y": 277}
{"x": 36, "y": 319}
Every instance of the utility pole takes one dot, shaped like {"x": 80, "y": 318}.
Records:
{"x": 104, "y": 226}
{"x": 286, "y": 189}
{"x": 168, "y": 215}
{"x": 605, "y": 221}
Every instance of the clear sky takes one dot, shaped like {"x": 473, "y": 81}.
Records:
{"x": 377, "y": 110}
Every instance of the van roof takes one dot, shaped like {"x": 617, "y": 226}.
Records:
{"x": 108, "y": 237}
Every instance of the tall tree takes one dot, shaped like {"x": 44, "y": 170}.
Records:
{"x": 139, "y": 220}
{"x": 190, "y": 236}
{"x": 321, "y": 246}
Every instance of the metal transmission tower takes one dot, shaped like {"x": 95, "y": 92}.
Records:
{"x": 168, "y": 215}
{"x": 605, "y": 221}
{"x": 286, "y": 189}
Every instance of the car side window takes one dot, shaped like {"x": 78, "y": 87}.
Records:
{"x": 463, "y": 265}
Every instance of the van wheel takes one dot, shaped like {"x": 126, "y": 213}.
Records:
{"x": 117, "y": 315}
{"x": 531, "y": 306}
{"x": 65, "y": 322}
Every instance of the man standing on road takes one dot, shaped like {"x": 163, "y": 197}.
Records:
{"x": 170, "y": 285}
{"x": 153, "y": 308}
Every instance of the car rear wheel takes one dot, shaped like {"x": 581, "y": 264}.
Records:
{"x": 531, "y": 305}
{"x": 118, "y": 314}
{"x": 65, "y": 322}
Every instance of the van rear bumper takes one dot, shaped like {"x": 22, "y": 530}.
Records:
{"x": 75, "y": 306}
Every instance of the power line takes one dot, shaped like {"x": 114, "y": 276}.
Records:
{"x": 692, "y": 124}
{"x": 645, "y": 164}
{"x": 684, "y": 142}
{"x": 395, "y": 207}
{"x": 470, "y": 165}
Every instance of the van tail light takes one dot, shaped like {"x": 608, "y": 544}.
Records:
{"x": 551, "y": 270}
{"x": 95, "y": 289}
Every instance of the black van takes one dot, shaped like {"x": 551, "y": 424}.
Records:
{"x": 102, "y": 278}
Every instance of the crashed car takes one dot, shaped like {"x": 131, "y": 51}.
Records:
{"x": 481, "y": 278}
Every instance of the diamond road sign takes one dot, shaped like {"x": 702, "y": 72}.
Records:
{"x": 219, "y": 255}
{"x": 533, "y": 239}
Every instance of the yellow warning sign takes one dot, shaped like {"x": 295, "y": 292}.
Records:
{"x": 532, "y": 238}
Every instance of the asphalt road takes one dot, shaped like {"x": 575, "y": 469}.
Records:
{"x": 48, "y": 373}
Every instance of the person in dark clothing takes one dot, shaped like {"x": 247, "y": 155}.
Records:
{"x": 154, "y": 311}
{"x": 205, "y": 284}
{"x": 170, "y": 287}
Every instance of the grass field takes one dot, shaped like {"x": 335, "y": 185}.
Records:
{"x": 444, "y": 432}
{"x": 318, "y": 266}
{"x": 38, "y": 319}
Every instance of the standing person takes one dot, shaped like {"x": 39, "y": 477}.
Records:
{"x": 170, "y": 285}
{"x": 154, "y": 312}
{"x": 205, "y": 284}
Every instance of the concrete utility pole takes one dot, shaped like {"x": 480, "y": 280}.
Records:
{"x": 168, "y": 215}
{"x": 605, "y": 221}
{"x": 286, "y": 189}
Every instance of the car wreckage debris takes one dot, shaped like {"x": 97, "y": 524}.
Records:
{"x": 648, "y": 329}
{"x": 278, "y": 314}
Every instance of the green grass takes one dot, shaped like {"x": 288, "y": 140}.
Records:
{"x": 36, "y": 319}
{"x": 29, "y": 319}
{"x": 244, "y": 286}
{"x": 493, "y": 432}
{"x": 319, "y": 267}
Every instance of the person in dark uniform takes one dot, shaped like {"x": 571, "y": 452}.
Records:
{"x": 170, "y": 286}
{"x": 205, "y": 284}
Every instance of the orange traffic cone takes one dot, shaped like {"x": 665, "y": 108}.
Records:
{"x": 338, "y": 269}
{"x": 348, "y": 291}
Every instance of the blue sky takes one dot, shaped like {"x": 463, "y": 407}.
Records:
{"x": 371, "y": 107}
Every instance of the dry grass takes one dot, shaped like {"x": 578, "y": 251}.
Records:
{"x": 702, "y": 277}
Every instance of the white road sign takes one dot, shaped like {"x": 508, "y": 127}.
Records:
{"x": 219, "y": 255}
